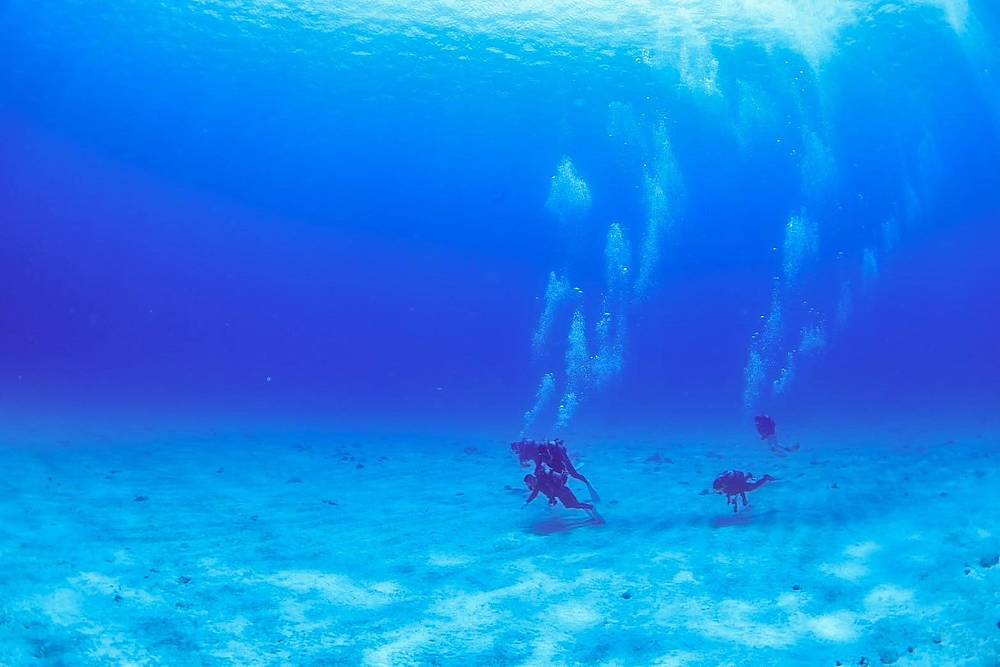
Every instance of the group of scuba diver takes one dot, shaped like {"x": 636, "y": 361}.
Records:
{"x": 553, "y": 469}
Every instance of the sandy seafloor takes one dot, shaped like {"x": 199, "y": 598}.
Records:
{"x": 330, "y": 549}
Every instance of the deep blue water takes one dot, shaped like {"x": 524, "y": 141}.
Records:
{"x": 319, "y": 211}
{"x": 281, "y": 279}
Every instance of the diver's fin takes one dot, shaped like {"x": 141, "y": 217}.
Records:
{"x": 594, "y": 497}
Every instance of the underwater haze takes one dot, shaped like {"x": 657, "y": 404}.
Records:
{"x": 282, "y": 280}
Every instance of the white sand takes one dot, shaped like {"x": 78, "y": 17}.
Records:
{"x": 281, "y": 550}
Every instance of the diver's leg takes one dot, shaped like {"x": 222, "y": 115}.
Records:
{"x": 745, "y": 501}
{"x": 593, "y": 492}
{"x": 570, "y": 502}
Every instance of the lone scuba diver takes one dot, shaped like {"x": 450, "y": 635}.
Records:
{"x": 769, "y": 432}
{"x": 736, "y": 483}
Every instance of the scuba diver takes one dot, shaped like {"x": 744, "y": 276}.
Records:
{"x": 768, "y": 431}
{"x": 550, "y": 456}
{"x": 553, "y": 485}
{"x": 736, "y": 483}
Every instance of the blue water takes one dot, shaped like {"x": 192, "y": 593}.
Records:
{"x": 257, "y": 228}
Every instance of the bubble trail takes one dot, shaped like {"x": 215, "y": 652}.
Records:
{"x": 542, "y": 397}
{"x": 753, "y": 379}
{"x": 763, "y": 351}
{"x": 557, "y": 291}
{"x": 787, "y": 374}
{"x": 662, "y": 188}
{"x": 569, "y": 195}
{"x": 817, "y": 167}
{"x": 577, "y": 357}
{"x": 617, "y": 257}
{"x": 609, "y": 359}
{"x": 611, "y": 328}
{"x": 800, "y": 246}
{"x": 812, "y": 339}
{"x": 567, "y": 408}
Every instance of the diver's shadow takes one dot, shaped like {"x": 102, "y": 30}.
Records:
{"x": 744, "y": 518}
{"x": 558, "y": 524}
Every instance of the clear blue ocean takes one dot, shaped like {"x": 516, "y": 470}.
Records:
{"x": 282, "y": 281}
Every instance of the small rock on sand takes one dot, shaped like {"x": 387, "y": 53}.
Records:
{"x": 888, "y": 657}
